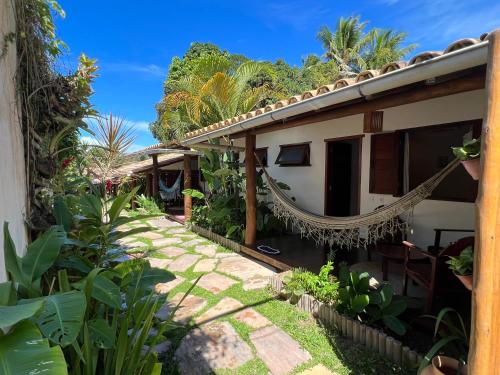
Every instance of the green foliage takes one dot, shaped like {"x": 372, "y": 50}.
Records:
{"x": 147, "y": 205}
{"x": 357, "y": 300}
{"x": 323, "y": 286}
{"x": 470, "y": 150}
{"x": 464, "y": 263}
{"x": 222, "y": 208}
{"x": 450, "y": 335}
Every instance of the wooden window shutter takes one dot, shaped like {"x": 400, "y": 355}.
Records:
{"x": 384, "y": 163}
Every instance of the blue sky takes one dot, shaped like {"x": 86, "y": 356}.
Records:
{"x": 134, "y": 41}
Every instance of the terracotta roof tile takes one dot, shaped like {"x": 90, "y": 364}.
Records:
{"x": 344, "y": 82}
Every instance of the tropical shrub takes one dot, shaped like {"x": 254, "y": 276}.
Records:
{"x": 222, "y": 208}
{"x": 323, "y": 286}
{"x": 450, "y": 335}
{"x": 147, "y": 205}
{"x": 373, "y": 307}
{"x": 96, "y": 313}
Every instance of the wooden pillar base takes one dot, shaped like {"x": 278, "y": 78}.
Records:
{"x": 251, "y": 191}
{"x": 188, "y": 200}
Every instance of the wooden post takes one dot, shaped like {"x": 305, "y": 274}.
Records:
{"x": 188, "y": 201}
{"x": 251, "y": 194}
{"x": 156, "y": 181}
{"x": 133, "y": 183}
{"x": 484, "y": 351}
{"x": 148, "y": 185}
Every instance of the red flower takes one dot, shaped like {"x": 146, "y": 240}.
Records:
{"x": 66, "y": 162}
{"x": 109, "y": 185}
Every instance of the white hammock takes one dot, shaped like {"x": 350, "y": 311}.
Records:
{"x": 173, "y": 192}
{"x": 359, "y": 230}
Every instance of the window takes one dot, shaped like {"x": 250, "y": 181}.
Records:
{"x": 261, "y": 154}
{"x": 294, "y": 155}
{"x": 402, "y": 160}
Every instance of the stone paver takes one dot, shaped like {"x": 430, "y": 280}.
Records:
{"x": 182, "y": 263}
{"x": 208, "y": 250}
{"x": 134, "y": 244}
{"x": 172, "y": 251}
{"x": 278, "y": 350}
{"x": 194, "y": 242}
{"x": 177, "y": 230}
{"x": 252, "y": 318}
{"x": 226, "y": 306}
{"x": 159, "y": 263}
{"x": 185, "y": 236}
{"x": 243, "y": 268}
{"x": 226, "y": 255}
{"x": 163, "y": 223}
{"x": 166, "y": 241}
{"x": 210, "y": 347}
{"x": 152, "y": 235}
{"x": 205, "y": 265}
{"x": 215, "y": 282}
{"x": 189, "y": 307}
{"x": 163, "y": 288}
{"x": 256, "y": 282}
{"x": 318, "y": 370}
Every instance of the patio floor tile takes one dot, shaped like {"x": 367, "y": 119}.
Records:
{"x": 278, "y": 350}
{"x": 182, "y": 263}
{"x": 226, "y": 306}
{"x": 243, "y": 268}
{"x": 172, "y": 251}
{"x": 193, "y": 242}
{"x": 205, "y": 265}
{"x": 208, "y": 250}
{"x": 159, "y": 263}
{"x": 256, "y": 282}
{"x": 190, "y": 306}
{"x": 252, "y": 318}
{"x": 166, "y": 241}
{"x": 215, "y": 282}
{"x": 163, "y": 288}
{"x": 211, "y": 347}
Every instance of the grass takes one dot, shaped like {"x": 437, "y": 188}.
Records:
{"x": 326, "y": 347}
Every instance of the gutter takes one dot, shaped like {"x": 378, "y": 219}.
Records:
{"x": 461, "y": 59}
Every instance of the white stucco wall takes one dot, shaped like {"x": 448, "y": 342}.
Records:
{"x": 307, "y": 183}
{"x": 12, "y": 171}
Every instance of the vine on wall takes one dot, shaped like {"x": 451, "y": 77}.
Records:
{"x": 52, "y": 105}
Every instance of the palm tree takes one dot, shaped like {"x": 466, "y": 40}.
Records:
{"x": 354, "y": 50}
{"x": 215, "y": 91}
{"x": 384, "y": 46}
{"x": 345, "y": 44}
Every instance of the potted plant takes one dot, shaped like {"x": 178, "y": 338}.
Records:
{"x": 462, "y": 266}
{"x": 469, "y": 154}
{"x": 452, "y": 337}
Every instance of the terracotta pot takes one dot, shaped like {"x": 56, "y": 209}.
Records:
{"x": 466, "y": 280}
{"x": 472, "y": 167}
{"x": 442, "y": 365}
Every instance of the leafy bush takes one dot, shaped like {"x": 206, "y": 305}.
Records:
{"x": 464, "y": 263}
{"x": 147, "y": 205}
{"x": 96, "y": 313}
{"x": 222, "y": 208}
{"x": 323, "y": 286}
{"x": 357, "y": 300}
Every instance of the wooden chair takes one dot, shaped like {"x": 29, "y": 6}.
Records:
{"x": 435, "y": 274}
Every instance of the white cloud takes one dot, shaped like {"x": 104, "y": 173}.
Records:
{"x": 140, "y": 126}
{"x": 299, "y": 14}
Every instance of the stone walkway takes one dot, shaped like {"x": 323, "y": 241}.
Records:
{"x": 222, "y": 333}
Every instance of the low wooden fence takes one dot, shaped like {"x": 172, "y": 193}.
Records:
{"x": 360, "y": 333}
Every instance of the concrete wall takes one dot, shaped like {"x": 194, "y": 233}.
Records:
{"x": 12, "y": 171}
{"x": 308, "y": 183}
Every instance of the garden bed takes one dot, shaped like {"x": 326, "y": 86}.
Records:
{"x": 360, "y": 333}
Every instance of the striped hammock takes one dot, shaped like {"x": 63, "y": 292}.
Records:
{"x": 354, "y": 231}
{"x": 173, "y": 192}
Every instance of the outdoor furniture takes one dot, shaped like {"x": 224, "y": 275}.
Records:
{"x": 437, "y": 237}
{"x": 435, "y": 274}
{"x": 394, "y": 253}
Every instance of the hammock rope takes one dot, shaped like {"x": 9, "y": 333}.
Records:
{"x": 173, "y": 192}
{"x": 359, "y": 230}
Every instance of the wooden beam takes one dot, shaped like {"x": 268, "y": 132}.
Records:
{"x": 484, "y": 351}
{"x": 188, "y": 201}
{"x": 402, "y": 96}
{"x": 156, "y": 178}
{"x": 251, "y": 191}
{"x": 149, "y": 178}
{"x": 133, "y": 203}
